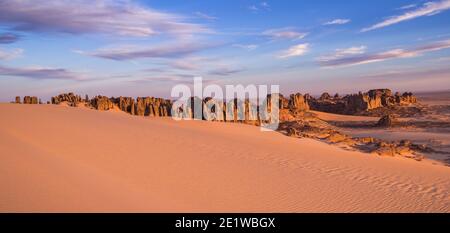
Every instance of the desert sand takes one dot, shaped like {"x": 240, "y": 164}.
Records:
{"x": 62, "y": 159}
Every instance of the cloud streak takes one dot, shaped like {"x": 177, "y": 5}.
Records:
{"x": 205, "y": 16}
{"x": 84, "y": 16}
{"x": 407, "y": 7}
{"x": 338, "y": 22}
{"x": 39, "y": 73}
{"x": 261, "y": 6}
{"x": 10, "y": 54}
{"x": 295, "y": 51}
{"x": 265, "y": 5}
{"x": 158, "y": 51}
{"x": 191, "y": 63}
{"x": 428, "y": 9}
{"x": 248, "y": 47}
{"x": 224, "y": 71}
{"x": 288, "y": 33}
{"x": 339, "y": 53}
{"x": 360, "y": 57}
{"x": 8, "y": 38}
{"x": 167, "y": 78}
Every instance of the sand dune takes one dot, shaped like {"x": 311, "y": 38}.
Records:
{"x": 57, "y": 158}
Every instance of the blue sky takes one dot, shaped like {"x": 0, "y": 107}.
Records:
{"x": 143, "y": 48}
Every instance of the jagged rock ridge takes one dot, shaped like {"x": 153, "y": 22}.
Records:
{"x": 361, "y": 102}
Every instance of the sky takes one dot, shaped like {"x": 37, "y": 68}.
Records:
{"x": 144, "y": 48}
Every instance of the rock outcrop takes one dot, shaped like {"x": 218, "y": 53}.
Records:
{"x": 213, "y": 109}
{"x": 248, "y": 111}
{"x": 309, "y": 126}
{"x": 405, "y": 99}
{"x": 70, "y": 98}
{"x": 361, "y": 102}
{"x": 126, "y": 104}
{"x": 298, "y": 102}
{"x": 142, "y": 106}
{"x": 150, "y": 106}
{"x": 327, "y": 105}
{"x": 17, "y": 101}
{"x": 283, "y": 102}
{"x": 387, "y": 121}
{"x": 102, "y": 103}
{"x": 325, "y": 96}
{"x": 30, "y": 100}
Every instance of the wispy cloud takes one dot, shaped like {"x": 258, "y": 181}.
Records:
{"x": 358, "y": 56}
{"x": 339, "y": 53}
{"x": 295, "y": 51}
{"x": 203, "y": 65}
{"x": 406, "y": 7}
{"x": 290, "y": 33}
{"x": 39, "y": 73}
{"x": 265, "y": 5}
{"x": 409, "y": 73}
{"x": 248, "y": 47}
{"x": 253, "y": 8}
{"x": 225, "y": 71}
{"x": 176, "y": 79}
{"x": 166, "y": 78}
{"x": 191, "y": 63}
{"x": 184, "y": 65}
{"x": 85, "y": 16}
{"x": 261, "y": 6}
{"x": 130, "y": 52}
{"x": 337, "y": 21}
{"x": 428, "y": 9}
{"x": 8, "y": 38}
{"x": 205, "y": 16}
{"x": 10, "y": 54}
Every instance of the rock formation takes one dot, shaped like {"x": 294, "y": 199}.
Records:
{"x": 387, "y": 121}
{"x": 213, "y": 109}
{"x": 309, "y": 126}
{"x": 126, "y": 104}
{"x": 249, "y": 112}
{"x": 142, "y": 106}
{"x": 405, "y": 99}
{"x": 150, "y": 106}
{"x": 297, "y": 102}
{"x": 30, "y": 100}
{"x": 102, "y": 103}
{"x": 18, "y": 100}
{"x": 70, "y": 98}
{"x": 325, "y": 96}
{"x": 283, "y": 102}
{"x": 361, "y": 102}
{"x": 327, "y": 105}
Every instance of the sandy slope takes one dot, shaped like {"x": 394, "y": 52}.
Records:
{"x": 56, "y": 158}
